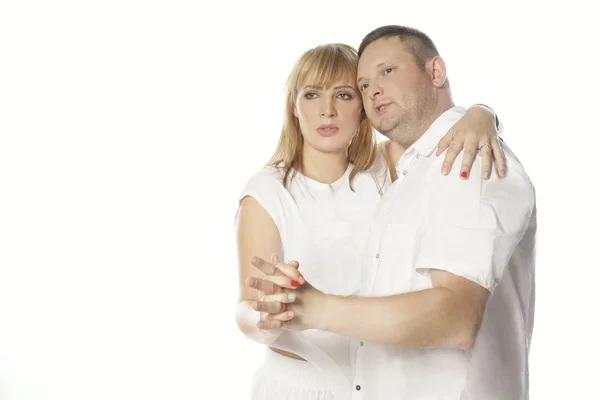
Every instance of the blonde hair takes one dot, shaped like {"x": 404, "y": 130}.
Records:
{"x": 321, "y": 66}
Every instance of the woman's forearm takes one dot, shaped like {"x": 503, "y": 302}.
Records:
{"x": 246, "y": 318}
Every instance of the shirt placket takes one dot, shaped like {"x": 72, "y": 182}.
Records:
{"x": 357, "y": 392}
{"x": 360, "y": 380}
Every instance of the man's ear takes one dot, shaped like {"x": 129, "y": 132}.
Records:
{"x": 437, "y": 71}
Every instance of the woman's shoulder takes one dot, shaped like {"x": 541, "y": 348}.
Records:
{"x": 381, "y": 160}
{"x": 378, "y": 173}
{"x": 380, "y": 165}
{"x": 268, "y": 177}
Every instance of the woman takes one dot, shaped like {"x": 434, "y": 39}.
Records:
{"x": 314, "y": 202}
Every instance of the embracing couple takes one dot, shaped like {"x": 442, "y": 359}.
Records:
{"x": 377, "y": 270}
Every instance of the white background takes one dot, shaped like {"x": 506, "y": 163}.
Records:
{"x": 129, "y": 128}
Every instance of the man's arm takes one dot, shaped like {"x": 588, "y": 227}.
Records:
{"x": 448, "y": 315}
{"x": 472, "y": 229}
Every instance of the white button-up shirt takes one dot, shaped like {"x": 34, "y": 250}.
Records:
{"x": 481, "y": 230}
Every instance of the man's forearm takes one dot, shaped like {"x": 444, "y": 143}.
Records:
{"x": 431, "y": 318}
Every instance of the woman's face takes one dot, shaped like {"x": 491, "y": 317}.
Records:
{"x": 329, "y": 117}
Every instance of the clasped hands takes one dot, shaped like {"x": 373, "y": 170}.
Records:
{"x": 288, "y": 301}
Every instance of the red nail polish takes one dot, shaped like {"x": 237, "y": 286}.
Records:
{"x": 464, "y": 174}
{"x": 294, "y": 284}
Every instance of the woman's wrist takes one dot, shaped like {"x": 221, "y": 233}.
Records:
{"x": 490, "y": 109}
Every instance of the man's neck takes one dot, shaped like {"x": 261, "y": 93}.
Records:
{"x": 410, "y": 135}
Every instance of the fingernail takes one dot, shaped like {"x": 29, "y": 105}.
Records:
{"x": 291, "y": 314}
{"x": 301, "y": 280}
{"x": 445, "y": 171}
{"x": 486, "y": 175}
{"x": 464, "y": 174}
{"x": 502, "y": 173}
{"x": 294, "y": 283}
{"x": 292, "y": 296}
{"x": 255, "y": 305}
{"x": 254, "y": 260}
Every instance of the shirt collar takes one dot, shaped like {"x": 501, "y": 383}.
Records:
{"x": 428, "y": 142}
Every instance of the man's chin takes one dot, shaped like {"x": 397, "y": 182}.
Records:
{"x": 385, "y": 129}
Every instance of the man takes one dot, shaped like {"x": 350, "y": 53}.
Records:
{"x": 447, "y": 299}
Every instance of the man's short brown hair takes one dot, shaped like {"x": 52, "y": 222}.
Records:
{"x": 416, "y": 42}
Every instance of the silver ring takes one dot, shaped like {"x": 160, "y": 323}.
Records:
{"x": 483, "y": 145}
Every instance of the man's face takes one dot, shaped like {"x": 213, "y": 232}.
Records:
{"x": 395, "y": 91}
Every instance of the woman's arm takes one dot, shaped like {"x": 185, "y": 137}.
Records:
{"x": 478, "y": 126}
{"x": 257, "y": 235}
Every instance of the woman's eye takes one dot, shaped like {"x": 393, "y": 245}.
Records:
{"x": 388, "y": 70}
{"x": 345, "y": 96}
{"x": 310, "y": 95}
{"x": 364, "y": 86}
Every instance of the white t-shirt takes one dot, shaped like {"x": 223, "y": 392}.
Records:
{"x": 324, "y": 227}
{"x": 482, "y": 230}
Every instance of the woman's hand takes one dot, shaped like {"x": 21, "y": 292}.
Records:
{"x": 286, "y": 305}
{"x": 474, "y": 132}
{"x": 279, "y": 276}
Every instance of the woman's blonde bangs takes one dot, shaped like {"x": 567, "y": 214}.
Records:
{"x": 326, "y": 66}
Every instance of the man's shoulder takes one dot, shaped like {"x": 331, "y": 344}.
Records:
{"x": 514, "y": 187}
{"x": 515, "y": 183}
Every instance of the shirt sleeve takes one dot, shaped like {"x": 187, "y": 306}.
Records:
{"x": 265, "y": 187}
{"x": 472, "y": 227}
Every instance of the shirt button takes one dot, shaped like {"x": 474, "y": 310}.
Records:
{"x": 357, "y": 387}
{"x": 377, "y": 255}
{"x": 404, "y": 172}
{"x": 362, "y": 343}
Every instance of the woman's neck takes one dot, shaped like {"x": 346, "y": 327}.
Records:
{"x": 323, "y": 167}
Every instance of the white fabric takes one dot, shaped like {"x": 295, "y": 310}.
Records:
{"x": 481, "y": 230}
{"x": 284, "y": 378}
{"x": 246, "y": 315}
{"x": 324, "y": 227}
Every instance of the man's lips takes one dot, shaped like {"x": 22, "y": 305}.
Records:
{"x": 380, "y": 108}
